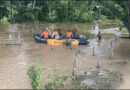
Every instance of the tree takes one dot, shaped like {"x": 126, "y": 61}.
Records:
{"x": 127, "y": 20}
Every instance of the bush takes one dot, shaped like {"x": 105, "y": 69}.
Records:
{"x": 52, "y": 84}
{"x": 34, "y": 74}
{"x": 86, "y": 17}
{"x": 102, "y": 17}
{"x": 4, "y": 20}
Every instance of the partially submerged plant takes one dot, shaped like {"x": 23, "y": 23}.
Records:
{"x": 34, "y": 74}
{"x": 104, "y": 79}
{"x": 52, "y": 84}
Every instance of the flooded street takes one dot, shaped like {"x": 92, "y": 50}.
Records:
{"x": 15, "y": 60}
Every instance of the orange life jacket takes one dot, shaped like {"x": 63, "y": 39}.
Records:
{"x": 56, "y": 33}
{"x": 46, "y": 34}
{"x": 69, "y": 35}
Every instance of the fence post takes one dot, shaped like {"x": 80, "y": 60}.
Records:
{"x": 99, "y": 56}
{"x": 75, "y": 64}
{"x": 19, "y": 38}
{"x": 93, "y": 51}
{"x": 112, "y": 50}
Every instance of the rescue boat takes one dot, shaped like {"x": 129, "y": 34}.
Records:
{"x": 82, "y": 41}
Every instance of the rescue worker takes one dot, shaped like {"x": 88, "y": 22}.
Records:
{"x": 75, "y": 31}
{"x": 55, "y": 34}
{"x": 46, "y": 34}
{"x": 60, "y": 34}
{"x": 49, "y": 32}
{"x": 69, "y": 34}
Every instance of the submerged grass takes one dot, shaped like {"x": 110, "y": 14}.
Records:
{"x": 108, "y": 80}
{"x": 34, "y": 74}
{"x": 103, "y": 79}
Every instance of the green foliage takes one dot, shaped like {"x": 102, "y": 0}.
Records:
{"x": 54, "y": 79}
{"x": 4, "y": 20}
{"x": 79, "y": 86}
{"x": 113, "y": 78}
{"x": 120, "y": 27}
{"x": 34, "y": 74}
{"x": 60, "y": 11}
{"x": 86, "y": 17}
{"x": 114, "y": 72}
{"x": 64, "y": 11}
{"x": 103, "y": 17}
{"x": 52, "y": 84}
{"x": 69, "y": 76}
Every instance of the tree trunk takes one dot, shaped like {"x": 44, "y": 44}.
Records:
{"x": 34, "y": 3}
{"x": 127, "y": 4}
{"x": 129, "y": 24}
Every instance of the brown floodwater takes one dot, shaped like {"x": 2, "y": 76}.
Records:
{"x": 15, "y": 60}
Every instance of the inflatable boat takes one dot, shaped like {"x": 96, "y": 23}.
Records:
{"x": 38, "y": 38}
{"x": 82, "y": 41}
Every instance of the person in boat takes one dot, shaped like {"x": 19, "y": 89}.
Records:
{"x": 69, "y": 34}
{"x": 49, "y": 32}
{"x": 55, "y": 34}
{"x": 75, "y": 31}
{"x": 99, "y": 35}
{"x": 60, "y": 34}
{"x": 46, "y": 34}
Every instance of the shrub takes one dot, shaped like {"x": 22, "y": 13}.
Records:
{"x": 34, "y": 74}
{"x": 86, "y": 17}
{"x": 4, "y": 20}
{"x": 52, "y": 84}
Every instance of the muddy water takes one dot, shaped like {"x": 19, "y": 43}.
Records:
{"x": 119, "y": 62}
{"x": 15, "y": 60}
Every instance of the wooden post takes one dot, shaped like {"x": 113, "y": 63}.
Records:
{"x": 19, "y": 38}
{"x": 13, "y": 41}
{"x": 75, "y": 64}
{"x": 93, "y": 51}
{"x": 99, "y": 56}
{"x": 112, "y": 50}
